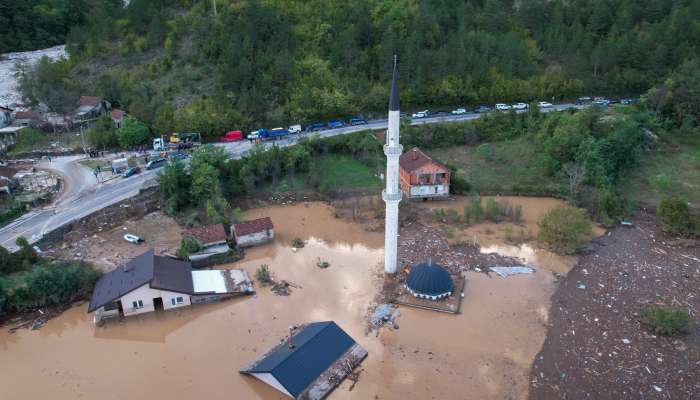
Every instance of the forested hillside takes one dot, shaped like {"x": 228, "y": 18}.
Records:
{"x": 208, "y": 66}
{"x": 36, "y": 24}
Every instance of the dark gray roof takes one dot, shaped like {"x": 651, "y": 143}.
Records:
{"x": 161, "y": 272}
{"x": 429, "y": 279}
{"x": 394, "y": 99}
{"x": 316, "y": 347}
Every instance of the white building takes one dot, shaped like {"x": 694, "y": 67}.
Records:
{"x": 254, "y": 232}
{"x": 391, "y": 194}
{"x": 149, "y": 282}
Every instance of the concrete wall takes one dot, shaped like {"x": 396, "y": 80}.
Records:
{"x": 255, "y": 238}
{"x": 430, "y": 191}
{"x": 146, "y": 294}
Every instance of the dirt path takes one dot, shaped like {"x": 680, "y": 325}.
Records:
{"x": 596, "y": 348}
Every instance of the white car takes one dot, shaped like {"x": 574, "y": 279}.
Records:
{"x": 133, "y": 238}
{"x": 253, "y": 135}
{"x": 544, "y": 104}
{"x": 294, "y": 129}
{"x": 502, "y": 107}
{"x": 520, "y": 106}
{"x": 459, "y": 111}
{"x": 420, "y": 114}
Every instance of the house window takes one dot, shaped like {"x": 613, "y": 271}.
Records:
{"x": 137, "y": 304}
{"x": 177, "y": 300}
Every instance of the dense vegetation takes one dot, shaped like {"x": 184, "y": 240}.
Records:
{"x": 28, "y": 281}
{"x": 564, "y": 229}
{"x": 187, "y": 66}
{"x": 35, "y": 24}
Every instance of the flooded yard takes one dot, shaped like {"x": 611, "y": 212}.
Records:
{"x": 485, "y": 352}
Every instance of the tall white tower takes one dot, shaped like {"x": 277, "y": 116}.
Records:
{"x": 392, "y": 194}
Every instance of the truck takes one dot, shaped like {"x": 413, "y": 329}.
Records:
{"x": 294, "y": 129}
{"x": 177, "y": 141}
{"x": 119, "y": 165}
{"x": 272, "y": 133}
{"x": 232, "y": 136}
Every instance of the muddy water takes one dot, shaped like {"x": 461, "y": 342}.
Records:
{"x": 483, "y": 353}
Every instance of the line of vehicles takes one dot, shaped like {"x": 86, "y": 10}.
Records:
{"x": 263, "y": 134}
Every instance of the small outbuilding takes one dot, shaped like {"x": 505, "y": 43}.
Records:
{"x": 422, "y": 177}
{"x": 309, "y": 364}
{"x": 253, "y": 232}
{"x": 429, "y": 281}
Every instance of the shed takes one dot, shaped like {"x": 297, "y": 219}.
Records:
{"x": 312, "y": 364}
{"x": 253, "y": 232}
{"x": 429, "y": 281}
{"x": 209, "y": 235}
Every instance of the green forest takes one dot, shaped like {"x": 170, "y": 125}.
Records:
{"x": 215, "y": 65}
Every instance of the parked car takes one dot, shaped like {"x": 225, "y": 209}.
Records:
{"x": 179, "y": 156}
{"x": 519, "y": 106}
{"x": 130, "y": 172}
{"x": 232, "y": 136}
{"x": 628, "y": 102}
{"x": 335, "y": 123}
{"x": 544, "y": 104}
{"x": 420, "y": 114}
{"x": 502, "y": 107}
{"x": 357, "y": 121}
{"x": 459, "y": 111}
{"x": 253, "y": 135}
{"x": 133, "y": 238}
{"x": 482, "y": 109}
{"x": 156, "y": 163}
{"x": 294, "y": 129}
{"x": 316, "y": 126}
{"x": 582, "y": 101}
{"x": 601, "y": 101}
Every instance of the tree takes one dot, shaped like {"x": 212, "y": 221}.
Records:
{"x": 132, "y": 132}
{"x": 564, "y": 229}
{"x": 575, "y": 174}
{"x": 674, "y": 214}
{"x": 188, "y": 245}
{"x": 175, "y": 186}
{"x": 102, "y": 134}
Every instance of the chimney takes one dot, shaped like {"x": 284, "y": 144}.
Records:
{"x": 290, "y": 342}
{"x": 414, "y": 153}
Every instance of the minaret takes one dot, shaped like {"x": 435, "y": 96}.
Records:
{"x": 392, "y": 195}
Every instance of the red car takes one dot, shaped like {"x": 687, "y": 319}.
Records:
{"x": 232, "y": 136}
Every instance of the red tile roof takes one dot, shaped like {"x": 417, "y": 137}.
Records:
{"x": 89, "y": 100}
{"x": 253, "y": 226}
{"x": 415, "y": 158}
{"x": 117, "y": 113}
{"x": 31, "y": 114}
{"x": 208, "y": 234}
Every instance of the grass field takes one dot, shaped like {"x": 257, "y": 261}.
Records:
{"x": 671, "y": 170}
{"x": 343, "y": 172}
{"x": 93, "y": 163}
{"x": 509, "y": 166}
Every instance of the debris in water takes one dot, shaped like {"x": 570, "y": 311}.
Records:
{"x": 626, "y": 341}
{"x": 505, "y": 272}
{"x": 282, "y": 288}
{"x": 581, "y": 286}
{"x": 657, "y": 388}
{"x": 384, "y": 314}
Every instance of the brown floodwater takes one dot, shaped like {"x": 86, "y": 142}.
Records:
{"x": 483, "y": 353}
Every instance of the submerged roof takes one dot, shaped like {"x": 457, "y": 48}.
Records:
{"x": 429, "y": 279}
{"x": 161, "y": 272}
{"x": 316, "y": 347}
{"x": 252, "y": 226}
{"x": 415, "y": 158}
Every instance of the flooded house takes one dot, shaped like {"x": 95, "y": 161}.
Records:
{"x": 310, "y": 363}
{"x": 117, "y": 116}
{"x": 90, "y": 107}
{"x": 422, "y": 177}
{"x": 27, "y": 118}
{"x": 214, "y": 242}
{"x": 253, "y": 232}
{"x": 149, "y": 282}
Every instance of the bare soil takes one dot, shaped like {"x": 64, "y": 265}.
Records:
{"x": 596, "y": 347}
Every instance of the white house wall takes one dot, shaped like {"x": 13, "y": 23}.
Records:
{"x": 272, "y": 381}
{"x": 429, "y": 190}
{"x": 146, "y": 294}
{"x": 255, "y": 238}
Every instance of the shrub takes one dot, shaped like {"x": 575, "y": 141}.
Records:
{"x": 493, "y": 210}
{"x": 263, "y": 275}
{"x": 564, "y": 229}
{"x": 674, "y": 214}
{"x": 665, "y": 321}
{"x": 297, "y": 243}
{"x": 188, "y": 245}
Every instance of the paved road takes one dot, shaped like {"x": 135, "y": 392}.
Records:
{"x": 83, "y": 195}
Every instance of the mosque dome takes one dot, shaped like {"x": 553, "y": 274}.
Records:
{"x": 429, "y": 281}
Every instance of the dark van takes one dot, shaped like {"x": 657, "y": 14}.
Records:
{"x": 156, "y": 163}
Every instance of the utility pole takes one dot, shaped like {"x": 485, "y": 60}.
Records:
{"x": 213, "y": 2}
